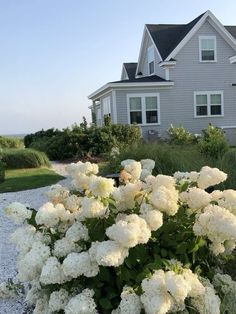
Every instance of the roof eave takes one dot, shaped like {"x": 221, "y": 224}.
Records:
{"x": 109, "y": 86}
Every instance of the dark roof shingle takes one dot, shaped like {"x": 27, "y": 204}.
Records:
{"x": 152, "y": 78}
{"x": 131, "y": 69}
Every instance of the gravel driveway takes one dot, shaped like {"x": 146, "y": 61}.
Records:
{"x": 35, "y": 198}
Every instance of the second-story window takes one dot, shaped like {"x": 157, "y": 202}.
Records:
{"x": 207, "y": 48}
{"x": 150, "y": 56}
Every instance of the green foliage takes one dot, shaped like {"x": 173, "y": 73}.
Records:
{"x": 26, "y": 179}
{"x": 24, "y": 158}
{"x": 179, "y": 135}
{"x": 168, "y": 158}
{"x": 213, "y": 142}
{"x": 228, "y": 164}
{"x": 2, "y": 171}
{"x": 80, "y": 141}
{"x": 10, "y": 142}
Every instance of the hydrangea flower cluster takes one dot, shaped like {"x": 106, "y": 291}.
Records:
{"x": 98, "y": 248}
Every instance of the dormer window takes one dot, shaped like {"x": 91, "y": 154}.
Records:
{"x": 207, "y": 48}
{"x": 150, "y": 55}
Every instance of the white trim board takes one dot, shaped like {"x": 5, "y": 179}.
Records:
{"x": 208, "y": 104}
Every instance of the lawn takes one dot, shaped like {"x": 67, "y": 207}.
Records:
{"x": 26, "y": 179}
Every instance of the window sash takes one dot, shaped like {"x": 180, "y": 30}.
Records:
{"x": 207, "y": 48}
{"x": 148, "y": 114}
{"x": 208, "y": 104}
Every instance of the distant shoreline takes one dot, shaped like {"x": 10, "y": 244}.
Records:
{"x": 14, "y": 135}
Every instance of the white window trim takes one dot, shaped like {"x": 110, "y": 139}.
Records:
{"x": 208, "y": 93}
{"x": 142, "y": 96}
{"x": 200, "y": 49}
{"x": 149, "y": 61}
{"x": 107, "y": 101}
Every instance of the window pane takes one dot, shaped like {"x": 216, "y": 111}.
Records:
{"x": 208, "y": 44}
{"x": 136, "y": 117}
{"x": 216, "y": 110}
{"x": 135, "y": 103}
{"x": 151, "y": 103}
{"x": 151, "y": 117}
{"x": 201, "y": 99}
{"x": 216, "y": 99}
{"x": 150, "y": 54}
{"x": 151, "y": 67}
{"x": 201, "y": 110}
{"x": 208, "y": 55}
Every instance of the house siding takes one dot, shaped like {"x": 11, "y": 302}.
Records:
{"x": 191, "y": 75}
{"x": 144, "y": 68}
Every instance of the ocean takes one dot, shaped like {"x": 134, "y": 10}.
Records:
{"x": 14, "y": 135}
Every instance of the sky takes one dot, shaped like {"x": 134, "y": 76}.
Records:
{"x": 54, "y": 53}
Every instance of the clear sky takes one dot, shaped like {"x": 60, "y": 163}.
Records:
{"x": 53, "y": 53}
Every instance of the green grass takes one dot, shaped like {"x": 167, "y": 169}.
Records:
{"x": 26, "y": 179}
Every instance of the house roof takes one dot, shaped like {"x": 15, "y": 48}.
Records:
{"x": 130, "y": 69}
{"x": 167, "y": 36}
{"x": 152, "y": 78}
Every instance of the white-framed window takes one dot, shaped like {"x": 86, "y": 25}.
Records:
{"x": 150, "y": 57}
{"x": 106, "y": 106}
{"x": 143, "y": 109}
{"x": 207, "y": 49}
{"x": 208, "y": 104}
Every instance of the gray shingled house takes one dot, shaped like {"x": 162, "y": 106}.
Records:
{"x": 186, "y": 73}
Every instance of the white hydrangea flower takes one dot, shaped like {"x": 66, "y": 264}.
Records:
{"x": 65, "y": 246}
{"x": 154, "y": 218}
{"x": 208, "y": 302}
{"x": 129, "y": 232}
{"x": 57, "y": 193}
{"x": 228, "y": 200}
{"x": 144, "y": 174}
{"x": 197, "y": 287}
{"x": 17, "y": 212}
{"x": 148, "y": 164}
{"x": 216, "y": 195}
{"x": 160, "y": 180}
{"x": 108, "y": 253}
{"x": 81, "y": 168}
{"x": 197, "y": 198}
{"x": 23, "y": 238}
{"x": 186, "y": 176}
{"x": 47, "y": 215}
{"x": 31, "y": 264}
{"x": 178, "y": 287}
{"x": 130, "y": 302}
{"x": 92, "y": 208}
{"x": 77, "y": 264}
{"x": 155, "y": 297}
{"x": 133, "y": 167}
{"x": 41, "y": 306}
{"x": 125, "y": 196}
{"x": 72, "y": 203}
{"x": 58, "y": 300}
{"x": 77, "y": 232}
{"x": 218, "y": 224}
{"x": 165, "y": 200}
{"x": 82, "y": 303}
{"x": 101, "y": 187}
{"x": 210, "y": 176}
{"x": 34, "y": 293}
{"x": 81, "y": 182}
{"x": 52, "y": 272}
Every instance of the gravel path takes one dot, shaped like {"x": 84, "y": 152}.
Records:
{"x": 35, "y": 198}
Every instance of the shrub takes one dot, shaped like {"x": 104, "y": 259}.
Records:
{"x": 80, "y": 141}
{"x": 228, "y": 164}
{"x": 24, "y": 158}
{"x": 168, "y": 158}
{"x": 2, "y": 171}
{"x": 179, "y": 135}
{"x": 140, "y": 248}
{"x": 10, "y": 142}
{"x": 213, "y": 142}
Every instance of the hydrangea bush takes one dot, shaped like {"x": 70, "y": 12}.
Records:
{"x": 153, "y": 245}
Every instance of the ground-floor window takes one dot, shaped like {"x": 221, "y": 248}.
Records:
{"x": 143, "y": 108}
{"x": 208, "y": 104}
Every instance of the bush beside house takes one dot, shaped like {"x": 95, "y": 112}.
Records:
{"x": 2, "y": 171}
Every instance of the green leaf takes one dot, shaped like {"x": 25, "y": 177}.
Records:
{"x": 105, "y": 304}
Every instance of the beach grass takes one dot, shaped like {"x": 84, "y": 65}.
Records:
{"x": 27, "y": 179}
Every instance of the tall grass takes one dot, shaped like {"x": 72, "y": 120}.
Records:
{"x": 23, "y": 158}
{"x": 168, "y": 158}
{"x": 11, "y": 142}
